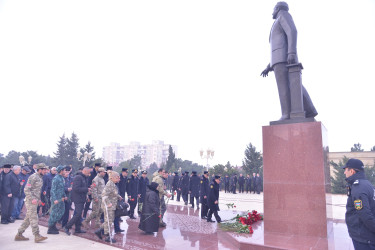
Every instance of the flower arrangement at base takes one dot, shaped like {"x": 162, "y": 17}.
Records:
{"x": 242, "y": 224}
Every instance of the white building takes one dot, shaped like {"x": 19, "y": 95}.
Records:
{"x": 156, "y": 152}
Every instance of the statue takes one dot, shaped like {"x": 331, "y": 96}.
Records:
{"x": 296, "y": 105}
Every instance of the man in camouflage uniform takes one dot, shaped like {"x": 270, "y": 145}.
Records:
{"x": 97, "y": 188}
{"x": 110, "y": 197}
{"x": 159, "y": 179}
{"x": 58, "y": 197}
{"x": 32, "y": 191}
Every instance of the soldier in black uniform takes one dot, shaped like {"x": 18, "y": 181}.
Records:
{"x": 248, "y": 184}
{"x": 241, "y": 183}
{"x": 143, "y": 183}
{"x": 132, "y": 190}
{"x": 226, "y": 183}
{"x": 258, "y": 183}
{"x": 213, "y": 200}
{"x": 123, "y": 182}
{"x": 179, "y": 187}
{"x": 253, "y": 181}
{"x": 185, "y": 187}
{"x": 175, "y": 184}
{"x": 205, "y": 188}
{"x": 194, "y": 189}
{"x": 360, "y": 206}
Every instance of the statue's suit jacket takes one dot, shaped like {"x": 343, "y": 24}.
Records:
{"x": 283, "y": 38}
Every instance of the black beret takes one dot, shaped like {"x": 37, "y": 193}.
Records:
{"x": 109, "y": 168}
{"x": 7, "y": 166}
{"x": 355, "y": 164}
{"x": 217, "y": 176}
{"x": 194, "y": 172}
{"x": 124, "y": 170}
{"x": 205, "y": 172}
{"x": 67, "y": 168}
{"x": 97, "y": 164}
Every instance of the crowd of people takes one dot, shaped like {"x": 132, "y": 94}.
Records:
{"x": 55, "y": 191}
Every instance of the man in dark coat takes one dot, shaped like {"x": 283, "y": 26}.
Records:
{"x": 175, "y": 184}
{"x": 68, "y": 179}
{"x": 150, "y": 217}
{"x": 46, "y": 190}
{"x": 213, "y": 200}
{"x": 241, "y": 183}
{"x": 205, "y": 188}
{"x": 169, "y": 182}
{"x": 194, "y": 189}
{"x": 78, "y": 196}
{"x": 248, "y": 184}
{"x": 93, "y": 173}
{"x": 258, "y": 183}
{"x": 22, "y": 178}
{"x": 226, "y": 184}
{"x": 123, "y": 182}
{"x": 253, "y": 181}
{"x": 234, "y": 183}
{"x": 185, "y": 187}
{"x": 143, "y": 183}
{"x": 11, "y": 192}
{"x": 132, "y": 190}
{"x": 179, "y": 187}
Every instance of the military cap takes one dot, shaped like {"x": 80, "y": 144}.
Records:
{"x": 186, "y": 172}
{"x": 60, "y": 168}
{"x": 67, "y": 168}
{"x": 205, "y": 172}
{"x": 7, "y": 166}
{"x": 176, "y": 173}
{"x": 135, "y": 171}
{"x": 109, "y": 168}
{"x": 194, "y": 172}
{"x": 217, "y": 176}
{"x": 98, "y": 165}
{"x": 124, "y": 170}
{"x": 144, "y": 172}
{"x": 355, "y": 164}
{"x": 41, "y": 166}
{"x": 101, "y": 170}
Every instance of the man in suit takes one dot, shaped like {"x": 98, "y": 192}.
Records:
{"x": 283, "y": 40}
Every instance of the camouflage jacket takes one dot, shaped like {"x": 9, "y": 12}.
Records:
{"x": 97, "y": 187}
{"x": 159, "y": 180}
{"x": 57, "y": 188}
{"x": 34, "y": 187}
{"x": 110, "y": 195}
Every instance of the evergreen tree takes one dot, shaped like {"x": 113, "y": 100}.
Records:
{"x": 253, "y": 161}
{"x": 71, "y": 152}
{"x": 356, "y": 148}
{"x": 171, "y": 160}
{"x": 151, "y": 170}
{"x": 338, "y": 182}
{"x": 135, "y": 162}
{"x": 61, "y": 154}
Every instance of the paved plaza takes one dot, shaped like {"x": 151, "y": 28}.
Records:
{"x": 185, "y": 230}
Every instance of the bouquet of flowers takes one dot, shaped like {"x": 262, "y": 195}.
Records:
{"x": 242, "y": 224}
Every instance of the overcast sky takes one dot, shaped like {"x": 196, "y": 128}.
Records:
{"x": 186, "y": 72}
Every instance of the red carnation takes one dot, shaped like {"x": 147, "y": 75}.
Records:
{"x": 23, "y": 180}
{"x": 234, "y": 206}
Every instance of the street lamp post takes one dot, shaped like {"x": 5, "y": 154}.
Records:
{"x": 86, "y": 157}
{"x": 208, "y": 156}
{"x": 22, "y": 160}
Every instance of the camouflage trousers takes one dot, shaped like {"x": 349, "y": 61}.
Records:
{"x": 109, "y": 216}
{"x": 30, "y": 219}
{"x": 57, "y": 211}
{"x": 96, "y": 212}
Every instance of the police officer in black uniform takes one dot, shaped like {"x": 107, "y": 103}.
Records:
{"x": 360, "y": 206}
{"x": 248, "y": 184}
{"x": 132, "y": 190}
{"x": 123, "y": 182}
{"x": 213, "y": 200}
{"x": 194, "y": 189}
{"x": 179, "y": 187}
{"x": 226, "y": 184}
{"x": 241, "y": 183}
{"x": 205, "y": 188}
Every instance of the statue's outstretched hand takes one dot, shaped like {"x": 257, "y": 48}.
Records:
{"x": 266, "y": 71}
{"x": 292, "y": 59}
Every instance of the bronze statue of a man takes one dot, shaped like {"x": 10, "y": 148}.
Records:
{"x": 294, "y": 99}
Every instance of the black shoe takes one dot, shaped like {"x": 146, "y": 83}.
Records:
{"x": 51, "y": 230}
{"x": 11, "y": 220}
{"x": 119, "y": 231}
{"x": 99, "y": 233}
{"x": 19, "y": 218}
{"x": 107, "y": 239}
{"x": 204, "y": 218}
{"x": 79, "y": 231}
{"x": 4, "y": 222}
{"x": 66, "y": 230}
{"x": 210, "y": 221}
